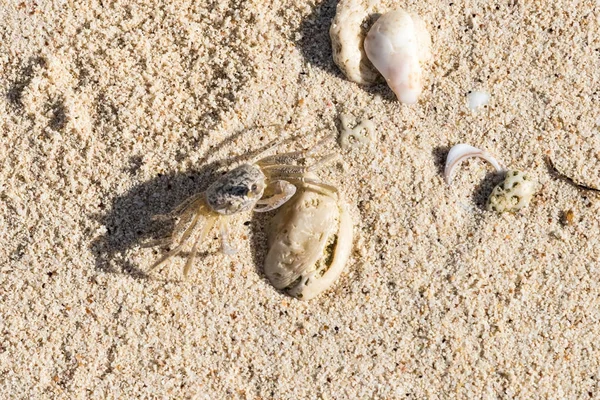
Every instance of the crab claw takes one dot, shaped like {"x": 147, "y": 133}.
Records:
{"x": 281, "y": 191}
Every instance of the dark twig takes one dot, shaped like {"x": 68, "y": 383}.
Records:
{"x": 568, "y": 179}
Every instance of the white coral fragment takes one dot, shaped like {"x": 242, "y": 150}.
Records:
{"x": 347, "y": 36}
{"x": 461, "y": 152}
{"x": 397, "y": 44}
{"x": 512, "y": 194}
{"x": 356, "y": 133}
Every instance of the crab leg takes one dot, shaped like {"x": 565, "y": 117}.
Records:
{"x": 284, "y": 169}
{"x": 226, "y": 246}
{"x": 285, "y": 158}
{"x": 329, "y": 189}
{"x": 208, "y": 224}
{"x": 177, "y": 249}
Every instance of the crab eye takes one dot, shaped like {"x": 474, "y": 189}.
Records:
{"x": 253, "y": 188}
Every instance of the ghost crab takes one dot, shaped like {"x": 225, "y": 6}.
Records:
{"x": 261, "y": 186}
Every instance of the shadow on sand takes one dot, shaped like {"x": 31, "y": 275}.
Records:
{"x": 131, "y": 222}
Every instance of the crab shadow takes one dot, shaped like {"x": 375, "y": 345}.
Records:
{"x": 131, "y": 220}
{"x": 484, "y": 189}
{"x": 259, "y": 225}
{"x": 440, "y": 154}
{"x": 315, "y": 45}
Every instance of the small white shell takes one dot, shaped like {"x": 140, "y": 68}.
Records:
{"x": 461, "y": 152}
{"x": 397, "y": 44}
{"x": 310, "y": 240}
{"x": 512, "y": 194}
{"x": 347, "y": 36}
{"x": 477, "y": 99}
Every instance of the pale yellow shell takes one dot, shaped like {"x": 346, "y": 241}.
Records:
{"x": 512, "y": 194}
{"x": 310, "y": 240}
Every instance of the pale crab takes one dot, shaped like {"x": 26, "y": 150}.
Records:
{"x": 261, "y": 186}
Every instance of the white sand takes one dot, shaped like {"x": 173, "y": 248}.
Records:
{"x": 112, "y": 113}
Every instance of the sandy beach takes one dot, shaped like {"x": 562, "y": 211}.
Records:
{"x": 114, "y": 112}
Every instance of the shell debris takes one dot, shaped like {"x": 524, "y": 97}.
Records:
{"x": 396, "y": 46}
{"x": 477, "y": 99}
{"x": 511, "y": 195}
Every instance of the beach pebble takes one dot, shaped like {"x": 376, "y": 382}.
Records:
{"x": 512, "y": 194}
{"x": 310, "y": 240}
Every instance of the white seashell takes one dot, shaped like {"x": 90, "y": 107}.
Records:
{"x": 477, "y": 99}
{"x": 347, "y": 35}
{"x": 461, "y": 152}
{"x": 310, "y": 241}
{"x": 512, "y": 194}
{"x": 397, "y": 44}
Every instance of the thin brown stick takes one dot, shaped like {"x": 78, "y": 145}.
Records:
{"x": 568, "y": 179}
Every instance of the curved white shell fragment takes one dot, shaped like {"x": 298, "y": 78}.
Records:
{"x": 310, "y": 241}
{"x": 347, "y": 36}
{"x": 512, "y": 194}
{"x": 397, "y": 44}
{"x": 461, "y": 152}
